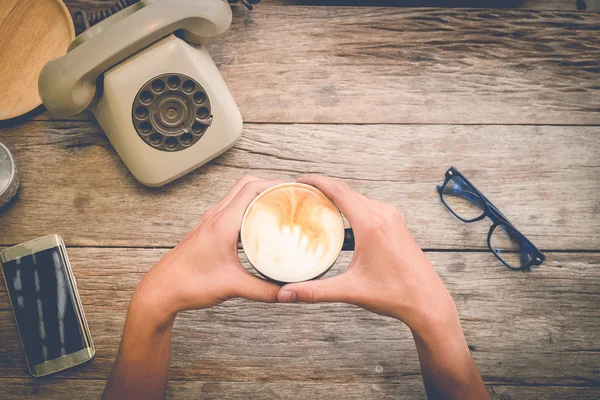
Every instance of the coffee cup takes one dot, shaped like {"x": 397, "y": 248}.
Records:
{"x": 292, "y": 232}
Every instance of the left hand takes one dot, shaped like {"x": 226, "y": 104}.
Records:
{"x": 204, "y": 270}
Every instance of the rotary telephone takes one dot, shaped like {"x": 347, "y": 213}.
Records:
{"x": 145, "y": 74}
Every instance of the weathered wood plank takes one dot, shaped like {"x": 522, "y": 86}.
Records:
{"x": 524, "y": 328}
{"x": 410, "y": 388}
{"x": 545, "y": 179}
{"x": 566, "y": 5}
{"x": 398, "y": 65}
{"x": 569, "y": 5}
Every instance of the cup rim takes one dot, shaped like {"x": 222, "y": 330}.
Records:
{"x": 271, "y": 189}
{"x": 4, "y": 149}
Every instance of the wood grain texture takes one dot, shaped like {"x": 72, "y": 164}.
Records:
{"x": 569, "y": 5}
{"x": 533, "y": 335}
{"x": 403, "y": 65}
{"x": 32, "y": 32}
{"x": 523, "y": 328}
{"x": 411, "y": 388}
{"x": 545, "y": 179}
{"x": 564, "y": 5}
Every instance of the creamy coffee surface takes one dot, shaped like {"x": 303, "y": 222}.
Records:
{"x": 292, "y": 232}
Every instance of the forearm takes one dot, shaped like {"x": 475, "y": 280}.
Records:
{"x": 141, "y": 368}
{"x": 449, "y": 371}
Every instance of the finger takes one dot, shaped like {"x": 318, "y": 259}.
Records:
{"x": 381, "y": 209}
{"x": 334, "y": 289}
{"x": 236, "y": 208}
{"x": 374, "y": 205}
{"x": 235, "y": 189}
{"x": 347, "y": 200}
{"x": 370, "y": 202}
{"x": 251, "y": 287}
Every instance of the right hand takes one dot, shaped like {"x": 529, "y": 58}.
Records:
{"x": 389, "y": 274}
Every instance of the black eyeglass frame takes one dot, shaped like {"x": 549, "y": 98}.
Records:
{"x": 497, "y": 218}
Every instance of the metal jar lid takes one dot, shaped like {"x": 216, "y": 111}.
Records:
{"x": 9, "y": 176}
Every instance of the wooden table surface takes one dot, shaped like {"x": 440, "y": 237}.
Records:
{"x": 386, "y": 99}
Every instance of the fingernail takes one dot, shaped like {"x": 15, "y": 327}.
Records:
{"x": 288, "y": 297}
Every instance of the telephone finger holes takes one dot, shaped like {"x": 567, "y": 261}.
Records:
{"x": 198, "y": 128}
{"x": 173, "y": 82}
{"x": 202, "y": 112}
{"x": 145, "y": 127}
{"x": 186, "y": 139}
{"x": 199, "y": 97}
{"x": 171, "y": 143}
{"x": 141, "y": 112}
{"x": 189, "y": 86}
{"x": 158, "y": 85}
{"x": 156, "y": 139}
{"x": 146, "y": 97}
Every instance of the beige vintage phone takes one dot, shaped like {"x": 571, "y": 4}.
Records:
{"x": 146, "y": 76}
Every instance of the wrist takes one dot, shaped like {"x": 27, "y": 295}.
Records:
{"x": 151, "y": 299}
{"x": 439, "y": 327}
{"x": 434, "y": 315}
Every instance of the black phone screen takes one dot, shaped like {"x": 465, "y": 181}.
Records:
{"x": 44, "y": 307}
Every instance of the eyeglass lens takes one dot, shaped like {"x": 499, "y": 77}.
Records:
{"x": 510, "y": 246}
{"x": 462, "y": 199}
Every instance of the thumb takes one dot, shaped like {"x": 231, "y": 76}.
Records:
{"x": 251, "y": 287}
{"x": 334, "y": 289}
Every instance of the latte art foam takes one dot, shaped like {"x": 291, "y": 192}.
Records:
{"x": 292, "y": 232}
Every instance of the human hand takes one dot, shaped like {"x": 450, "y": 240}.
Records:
{"x": 204, "y": 270}
{"x": 389, "y": 274}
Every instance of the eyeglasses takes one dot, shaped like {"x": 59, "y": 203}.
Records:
{"x": 504, "y": 240}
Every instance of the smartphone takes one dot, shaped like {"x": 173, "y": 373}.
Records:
{"x": 50, "y": 319}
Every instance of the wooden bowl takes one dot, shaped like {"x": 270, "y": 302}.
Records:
{"x": 32, "y": 32}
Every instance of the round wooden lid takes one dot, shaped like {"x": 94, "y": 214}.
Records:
{"x": 32, "y": 32}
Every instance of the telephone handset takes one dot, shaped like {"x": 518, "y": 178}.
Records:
{"x": 159, "y": 97}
